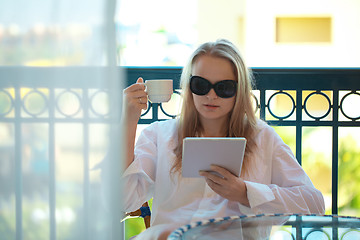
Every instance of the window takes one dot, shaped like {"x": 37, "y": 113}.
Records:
{"x": 303, "y": 29}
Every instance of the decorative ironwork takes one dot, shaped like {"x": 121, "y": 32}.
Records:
{"x": 291, "y": 111}
{"x": 163, "y": 110}
{"x": 92, "y": 104}
{"x": 8, "y": 101}
{"x": 282, "y": 80}
{"x": 308, "y": 112}
{"x": 312, "y": 234}
{"x": 148, "y": 109}
{"x": 27, "y": 99}
{"x": 66, "y": 94}
{"x": 257, "y": 105}
{"x": 342, "y": 102}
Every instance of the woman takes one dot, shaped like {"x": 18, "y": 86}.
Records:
{"x": 217, "y": 97}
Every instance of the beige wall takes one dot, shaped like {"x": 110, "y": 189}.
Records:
{"x": 251, "y": 24}
{"x": 221, "y": 19}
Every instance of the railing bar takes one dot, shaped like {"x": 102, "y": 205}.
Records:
{"x": 86, "y": 184}
{"x": 117, "y": 230}
{"x": 48, "y": 77}
{"x": 313, "y": 123}
{"x": 52, "y": 179}
{"x": 56, "y": 120}
{"x": 155, "y": 111}
{"x": 149, "y": 121}
{"x": 335, "y": 154}
{"x": 265, "y": 78}
{"x": 262, "y": 104}
{"x": 18, "y": 166}
{"x": 271, "y": 122}
{"x": 299, "y": 126}
{"x": 321, "y": 223}
{"x": 335, "y": 230}
{"x": 299, "y": 228}
{"x": 285, "y": 123}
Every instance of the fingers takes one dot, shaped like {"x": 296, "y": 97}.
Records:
{"x": 213, "y": 176}
{"x": 139, "y": 93}
{"x": 136, "y": 93}
{"x": 140, "y": 80}
{"x": 217, "y": 174}
{"x": 213, "y": 185}
{"x": 226, "y": 184}
{"x": 222, "y": 171}
{"x": 137, "y": 88}
{"x": 135, "y": 100}
{"x": 219, "y": 179}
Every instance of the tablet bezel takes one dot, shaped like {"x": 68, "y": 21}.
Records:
{"x": 200, "y": 152}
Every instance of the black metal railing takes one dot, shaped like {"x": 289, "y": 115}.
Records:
{"x": 334, "y": 85}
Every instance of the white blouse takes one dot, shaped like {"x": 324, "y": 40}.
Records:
{"x": 277, "y": 184}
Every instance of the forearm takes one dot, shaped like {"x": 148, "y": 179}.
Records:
{"x": 274, "y": 199}
{"x": 132, "y": 106}
{"x": 130, "y": 135}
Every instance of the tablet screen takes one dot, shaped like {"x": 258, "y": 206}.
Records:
{"x": 200, "y": 152}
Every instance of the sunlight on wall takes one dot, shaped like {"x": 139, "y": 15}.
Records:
{"x": 303, "y": 30}
{"x": 262, "y": 50}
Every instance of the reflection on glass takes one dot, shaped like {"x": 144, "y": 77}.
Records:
{"x": 271, "y": 226}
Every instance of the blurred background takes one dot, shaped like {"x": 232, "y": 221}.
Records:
{"x": 74, "y": 105}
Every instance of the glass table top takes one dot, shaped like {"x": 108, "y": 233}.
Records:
{"x": 273, "y": 227}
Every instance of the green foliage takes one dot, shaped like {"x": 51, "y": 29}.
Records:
{"x": 134, "y": 226}
{"x": 7, "y": 225}
{"x": 318, "y": 165}
{"x": 349, "y": 177}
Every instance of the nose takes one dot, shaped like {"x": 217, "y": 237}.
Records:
{"x": 212, "y": 94}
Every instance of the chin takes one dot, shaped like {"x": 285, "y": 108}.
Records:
{"x": 212, "y": 116}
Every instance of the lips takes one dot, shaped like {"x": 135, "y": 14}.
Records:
{"x": 211, "y": 106}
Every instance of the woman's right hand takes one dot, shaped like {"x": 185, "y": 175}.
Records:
{"x": 134, "y": 99}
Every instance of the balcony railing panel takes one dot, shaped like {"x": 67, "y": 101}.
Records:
{"x": 279, "y": 81}
{"x": 19, "y": 86}
{"x": 41, "y": 109}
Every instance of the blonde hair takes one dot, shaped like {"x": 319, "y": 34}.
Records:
{"x": 242, "y": 119}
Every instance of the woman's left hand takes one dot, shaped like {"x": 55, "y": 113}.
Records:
{"x": 230, "y": 186}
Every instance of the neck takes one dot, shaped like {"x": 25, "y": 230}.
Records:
{"x": 214, "y": 128}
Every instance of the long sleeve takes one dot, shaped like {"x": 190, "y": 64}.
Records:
{"x": 139, "y": 178}
{"x": 275, "y": 184}
{"x": 287, "y": 189}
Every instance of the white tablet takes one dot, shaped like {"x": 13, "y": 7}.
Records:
{"x": 199, "y": 153}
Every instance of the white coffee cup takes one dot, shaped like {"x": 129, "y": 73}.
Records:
{"x": 159, "y": 90}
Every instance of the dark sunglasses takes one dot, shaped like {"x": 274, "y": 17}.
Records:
{"x": 224, "y": 89}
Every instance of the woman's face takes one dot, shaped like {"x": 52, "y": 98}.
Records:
{"x": 214, "y": 69}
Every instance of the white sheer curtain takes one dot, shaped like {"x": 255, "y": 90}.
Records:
{"x": 60, "y": 102}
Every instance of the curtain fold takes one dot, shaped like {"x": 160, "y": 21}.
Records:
{"x": 60, "y": 104}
